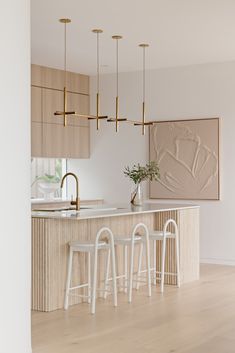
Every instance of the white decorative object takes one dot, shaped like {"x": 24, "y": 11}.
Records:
{"x": 48, "y": 189}
{"x": 187, "y": 152}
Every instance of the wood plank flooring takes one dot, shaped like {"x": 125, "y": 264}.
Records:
{"x": 197, "y": 318}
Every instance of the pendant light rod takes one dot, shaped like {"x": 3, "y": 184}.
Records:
{"x": 65, "y": 21}
{"x": 97, "y": 117}
{"x": 65, "y": 113}
{"x": 117, "y": 119}
{"x": 144, "y": 122}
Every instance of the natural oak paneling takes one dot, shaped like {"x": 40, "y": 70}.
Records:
{"x": 53, "y": 100}
{"x": 50, "y": 238}
{"x": 36, "y": 139}
{"x": 53, "y": 78}
{"x": 65, "y": 142}
{"x": 52, "y": 139}
{"x": 36, "y": 104}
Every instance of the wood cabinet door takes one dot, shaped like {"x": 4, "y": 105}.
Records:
{"x": 36, "y": 121}
{"x": 71, "y": 141}
{"x": 65, "y": 142}
{"x": 36, "y": 139}
{"x": 36, "y": 104}
{"x": 53, "y": 101}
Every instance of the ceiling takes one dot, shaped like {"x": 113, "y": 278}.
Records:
{"x": 180, "y": 32}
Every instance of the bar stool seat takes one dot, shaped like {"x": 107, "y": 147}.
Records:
{"x": 129, "y": 242}
{"x": 163, "y": 235}
{"x": 87, "y": 246}
{"x": 126, "y": 241}
{"x": 158, "y": 235}
{"x": 91, "y": 249}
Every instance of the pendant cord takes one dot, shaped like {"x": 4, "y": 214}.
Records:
{"x": 143, "y": 74}
{"x": 117, "y": 67}
{"x": 98, "y": 63}
{"x": 65, "y": 54}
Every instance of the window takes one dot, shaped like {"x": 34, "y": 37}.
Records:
{"x": 46, "y": 174}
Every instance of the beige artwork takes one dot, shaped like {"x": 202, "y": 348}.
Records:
{"x": 187, "y": 152}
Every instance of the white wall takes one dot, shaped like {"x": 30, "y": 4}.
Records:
{"x": 15, "y": 177}
{"x": 183, "y": 92}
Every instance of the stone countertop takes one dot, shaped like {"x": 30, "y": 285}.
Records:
{"x": 60, "y": 200}
{"x": 114, "y": 210}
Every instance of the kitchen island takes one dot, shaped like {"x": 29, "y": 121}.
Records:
{"x": 52, "y": 231}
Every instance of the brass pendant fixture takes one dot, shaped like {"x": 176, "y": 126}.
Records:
{"x": 143, "y": 123}
{"x": 117, "y": 119}
{"x": 97, "y": 117}
{"x": 65, "y": 113}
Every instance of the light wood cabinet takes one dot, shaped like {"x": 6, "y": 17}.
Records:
{"x": 69, "y": 142}
{"x": 48, "y": 135}
{"x": 36, "y": 139}
{"x": 53, "y": 78}
{"x": 36, "y": 121}
{"x": 36, "y": 104}
{"x": 53, "y": 100}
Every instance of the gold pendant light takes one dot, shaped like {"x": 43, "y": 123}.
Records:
{"x": 143, "y": 123}
{"x": 65, "y": 113}
{"x": 117, "y": 119}
{"x": 97, "y": 117}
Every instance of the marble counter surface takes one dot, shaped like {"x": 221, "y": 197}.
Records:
{"x": 104, "y": 210}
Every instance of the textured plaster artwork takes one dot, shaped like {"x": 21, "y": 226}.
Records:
{"x": 187, "y": 152}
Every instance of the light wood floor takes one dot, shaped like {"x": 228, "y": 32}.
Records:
{"x": 197, "y": 318}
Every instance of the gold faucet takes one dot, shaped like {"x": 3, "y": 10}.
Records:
{"x": 77, "y": 202}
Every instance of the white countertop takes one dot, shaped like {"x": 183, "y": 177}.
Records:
{"x": 101, "y": 211}
{"x": 58, "y": 200}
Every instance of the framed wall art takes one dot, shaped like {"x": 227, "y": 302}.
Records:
{"x": 187, "y": 152}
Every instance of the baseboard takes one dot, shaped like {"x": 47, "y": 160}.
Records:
{"x": 218, "y": 261}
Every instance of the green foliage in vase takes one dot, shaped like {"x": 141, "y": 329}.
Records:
{"x": 139, "y": 173}
{"x": 55, "y": 178}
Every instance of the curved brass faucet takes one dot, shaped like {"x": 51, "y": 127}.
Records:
{"x": 77, "y": 202}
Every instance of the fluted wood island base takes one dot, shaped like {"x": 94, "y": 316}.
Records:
{"x": 51, "y": 232}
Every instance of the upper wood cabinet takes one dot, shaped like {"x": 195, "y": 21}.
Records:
{"x": 53, "y": 100}
{"x": 48, "y": 135}
{"x": 36, "y": 121}
{"x": 52, "y": 78}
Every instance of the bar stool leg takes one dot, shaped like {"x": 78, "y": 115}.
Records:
{"x": 163, "y": 262}
{"x": 106, "y": 274}
{"x": 68, "y": 281}
{"x": 148, "y": 266}
{"x": 125, "y": 268}
{"x": 131, "y": 271}
{"x": 139, "y": 265}
{"x": 154, "y": 262}
{"x": 114, "y": 274}
{"x": 89, "y": 277}
{"x": 177, "y": 256}
{"x": 93, "y": 296}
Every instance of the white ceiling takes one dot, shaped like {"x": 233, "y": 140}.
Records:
{"x": 180, "y": 32}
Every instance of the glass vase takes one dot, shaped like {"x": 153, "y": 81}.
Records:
{"x": 137, "y": 195}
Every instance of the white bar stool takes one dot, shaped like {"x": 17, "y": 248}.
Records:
{"x": 163, "y": 236}
{"x": 131, "y": 242}
{"x": 92, "y": 250}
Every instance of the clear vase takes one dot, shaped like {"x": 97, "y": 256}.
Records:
{"x": 137, "y": 195}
